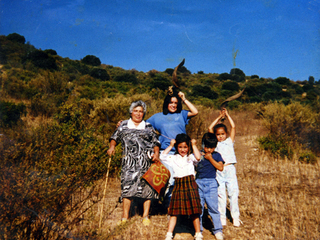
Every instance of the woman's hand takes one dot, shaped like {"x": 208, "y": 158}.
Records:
{"x": 155, "y": 157}
{"x": 193, "y": 142}
{"x": 112, "y": 147}
{"x": 110, "y": 151}
{"x": 118, "y": 124}
{"x": 182, "y": 96}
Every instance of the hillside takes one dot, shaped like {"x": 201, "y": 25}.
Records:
{"x": 57, "y": 114}
{"x": 278, "y": 199}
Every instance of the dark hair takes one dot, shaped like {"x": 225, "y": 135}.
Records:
{"x": 209, "y": 140}
{"x": 167, "y": 100}
{"x": 180, "y": 138}
{"x": 220, "y": 125}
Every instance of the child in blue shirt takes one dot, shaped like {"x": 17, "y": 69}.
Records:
{"x": 207, "y": 183}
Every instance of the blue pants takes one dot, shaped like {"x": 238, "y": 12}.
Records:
{"x": 208, "y": 191}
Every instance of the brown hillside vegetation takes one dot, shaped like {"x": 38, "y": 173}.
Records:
{"x": 279, "y": 199}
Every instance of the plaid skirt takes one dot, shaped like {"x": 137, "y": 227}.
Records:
{"x": 185, "y": 198}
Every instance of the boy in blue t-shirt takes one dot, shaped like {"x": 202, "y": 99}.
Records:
{"x": 207, "y": 183}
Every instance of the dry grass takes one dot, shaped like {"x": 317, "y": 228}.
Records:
{"x": 279, "y": 199}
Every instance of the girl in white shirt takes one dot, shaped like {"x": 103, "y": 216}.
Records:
{"x": 185, "y": 198}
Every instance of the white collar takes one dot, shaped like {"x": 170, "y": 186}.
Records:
{"x": 141, "y": 125}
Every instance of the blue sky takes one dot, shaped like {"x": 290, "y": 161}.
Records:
{"x": 269, "y": 38}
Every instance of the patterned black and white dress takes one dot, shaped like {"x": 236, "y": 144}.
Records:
{"x": 136, "y": 144}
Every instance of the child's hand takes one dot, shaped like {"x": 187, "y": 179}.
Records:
{"x": 225, "y": 112}
{"x": 172, "y": 142}
{"x": 193, "y": 142}
{"x": 208, "y": 155}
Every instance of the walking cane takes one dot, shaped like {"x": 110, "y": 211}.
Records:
{"x": 104, "y": 191}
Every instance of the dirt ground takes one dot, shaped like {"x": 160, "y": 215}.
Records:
{"x": 184, "y": 229}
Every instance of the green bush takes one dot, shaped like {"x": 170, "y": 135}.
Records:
{"x": 126, "y": 77}
{"x": 283, "y": 81}
{"x": 203, "y": 91}
{"x": 230, "y": 85}
{"x": 91, "y": 60}
{"x": 308, "y": 157}
{"x": 10, "y": 113}
{"x": 99, "y": 73}
{"x": 15, "y": 37}
{"x": 279, "y": 146}
{"x": 41, "y": 59}
{"x": 290, "y": 126}
{"x": 160, "y": 82}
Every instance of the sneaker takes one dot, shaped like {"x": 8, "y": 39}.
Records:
{"x": 146, "y": 221}
{"x": 169, "y": 236}
{"x": 223, "y": 221}
{"x": 219, "y": 236}
{"x": 198, "y": 236}
{"x": 237, "y": 222}
{"x": 122, "y": 221}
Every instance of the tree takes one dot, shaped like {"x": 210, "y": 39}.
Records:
{"x": 224, "y": 76}
{"x": 15, "y": 37}
{"x": 169, "y": 71}
{"x": 91, "y": 60}
{"x": 51, "y": 52}
{"x": 237, "y": 74}
{"x": 41, "y": 59}
{"x": 283, "y": 81}
{"x": 160, "y": 82}
{"x": 311, "y": 80}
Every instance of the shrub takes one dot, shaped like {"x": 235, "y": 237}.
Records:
{"x": 15, "y": 37}
{"x": 288, "y": 126}
{"x": 10, "y": 113}
{"x": 237, "y": 75}
{"x": 160, "y": 82}
{"x": 99, "y": 73}
{"x": 126, "y": 77}
{"x": 279, "y": 146}
{"x": 91, "y": 60}
{"x": 204, "y": 91}
{"x": 254, "y": 77}
{"x": 51, "y": 52}
{"x": 224, "y": 76}
{"x": 307, "y": 157}
{"x": 41, "y": 59}
{"x": 283, "y": 81}
{"x": 41, "y": 174}
{"x": 230, "y": 85}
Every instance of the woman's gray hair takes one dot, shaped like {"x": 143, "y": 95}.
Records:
{"x": 138, "y": 103}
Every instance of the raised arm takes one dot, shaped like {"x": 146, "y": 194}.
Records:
{"x": 233, "y": 126}
{"x": 167, "y": 150}
{"x": 215, "y": 122}
{"x": 195, "y": 149}
{"x": 193, "y": 110}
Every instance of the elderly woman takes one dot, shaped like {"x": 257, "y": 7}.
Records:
{"x": 139, "y": 142}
